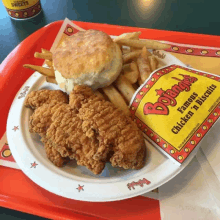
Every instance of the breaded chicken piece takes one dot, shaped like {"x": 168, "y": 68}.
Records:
{"x": 88, "y": 129}
{"x": 117, "y": 133}
{"x": 69, "y": 139}
{"x": 53, "y": 155}
{"x": 63, "y": 137}
{"x": 40, "y": 121}
{"x": 37, "y": 98}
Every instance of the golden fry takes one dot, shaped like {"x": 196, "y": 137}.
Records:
{"x": 131, "y": 76}
{"x": 125, "y": 50}
{"x": 51, "y": 80}
{"x": 153, "y": 62}
{"x": 99, "y": 94}
{"x": 140, "y": 82}
{"x": 145, "y": 52}
{"x": 126, "y": 67}
{"x": 44, "y": 71}
{"x": 133, "y": 66}
{"x": 131, "y": 73}
{"x": 116, "y": 98}
{"x": 135, "y": 86}
{"x": 130, "y": 56}
{"x": 120, "y": 46}
{"x": 144, "y": 64}
{"x": 46, "y": 56}
{"x": 103, "y": 94}
{"x": 45, "y": 51}
{"x": 149, "y": 44}
{"x": 125, "y": 87}
{"x": 144, "y": 67}
{"x": 132, "y": 35}
{"x": 49, "y": 63}
{"x": 134, "y": 48}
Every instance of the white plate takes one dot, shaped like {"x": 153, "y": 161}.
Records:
{"x": 74, "y": 181}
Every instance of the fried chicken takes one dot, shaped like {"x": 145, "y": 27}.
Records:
{"x": 40, "y": 121}
{"x": 67, "y": 136}
{"x": 116, "y": 132}
{"x": 62, "y": 135}
{"x": 37, "y": 98}
{"x": 88, "y": 129}
{"x": 53, "y": 155}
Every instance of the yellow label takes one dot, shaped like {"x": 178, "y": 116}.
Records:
{"x": 177, "y": 104}
{"x": 19, "y": 5}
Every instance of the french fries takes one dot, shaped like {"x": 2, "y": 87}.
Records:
{"x": 44, "y": 71}
{"x": 131, "y": 76}
{"x": 51, "y": 80}
{"x": 116, "y": 98}
{"x": 135, "y": 86}
{"x": 125, "y": 50}
{"x": 131, "y": 56}
{"x": 125, "y": 87}
{"x": 149, "y": 44}
{"x": 49, "y": 63}
{"x": 45, "y": 55}
{"x": 145, "y": 52}
{"x": 126, "y": 67}
{"x": 144, "y": 68}
{"x": 140, "y": 82}
{"x": 45, "y": 51}
{"x": 131, "y": 72}
{"x": 134, "y": 67}
{"x": 132, "y": 35}
{"x": 99, "y": 94}
{"x": 144, "y": 65}
{"x": 153, "y": 62}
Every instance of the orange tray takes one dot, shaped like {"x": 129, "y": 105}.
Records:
{"x": 16, "y": 190}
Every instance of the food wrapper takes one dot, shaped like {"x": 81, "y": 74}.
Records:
{"x": 175, "y": 108}
{"x": 6, "y": 158}
{"x": 67, "y": 29}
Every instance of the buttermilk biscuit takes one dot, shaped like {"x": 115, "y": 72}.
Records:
{"x": 87, "y": 57}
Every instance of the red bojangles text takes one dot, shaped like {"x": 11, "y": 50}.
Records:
{"x": 139, "y": 183}
{"x": 168, "y": 97}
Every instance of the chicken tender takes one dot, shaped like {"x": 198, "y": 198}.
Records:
{"x": 37, "y": 98}
{"x": 62, "y": 135}
{"x": 41, "y": 120}
{"x": 88, "y": 129}
{"x": 68, "y": 138}
{"x": 53, "y": 155}
{"x": 115, "y": 131}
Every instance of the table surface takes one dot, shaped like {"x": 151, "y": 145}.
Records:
{"x": 195, "y": 16}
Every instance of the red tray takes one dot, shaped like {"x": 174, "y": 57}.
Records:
{"x": 16, "y": 190}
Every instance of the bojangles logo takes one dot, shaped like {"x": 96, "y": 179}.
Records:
{"x": 138, "y": 183}
{"x": 168, "y": 97}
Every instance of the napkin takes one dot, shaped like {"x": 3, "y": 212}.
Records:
{"x": 211, "y": 150}
{"x": 188, "y": 195}
{"x": 195, "y": 192}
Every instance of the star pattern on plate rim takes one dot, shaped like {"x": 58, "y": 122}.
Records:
{"x": 34, "y": 165}
{"x": 80, "y": 188}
